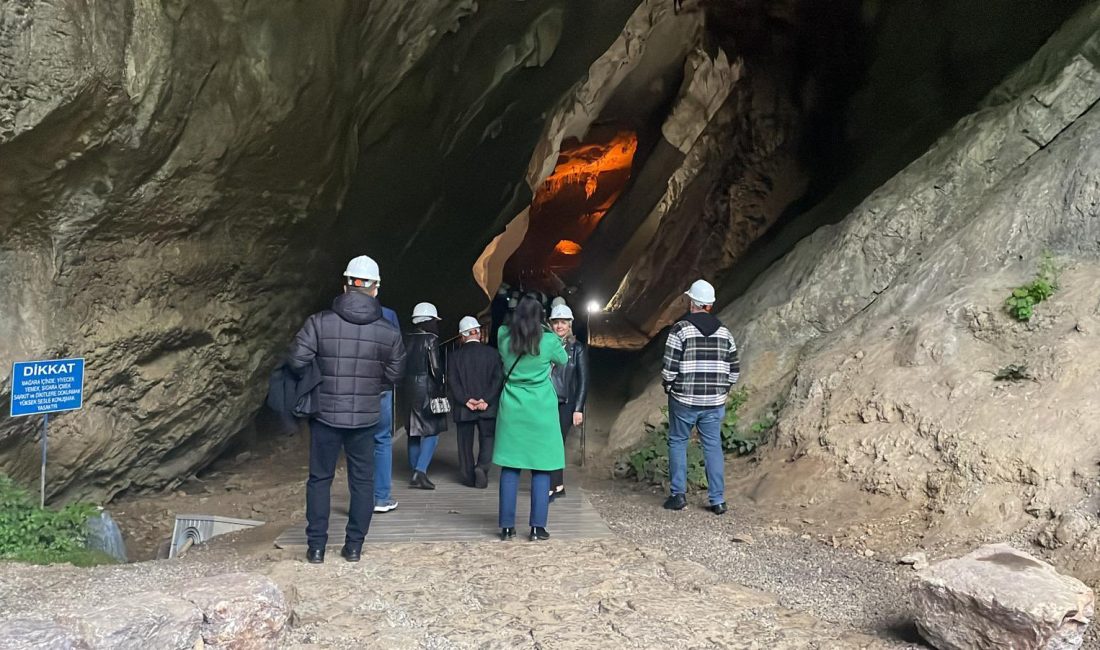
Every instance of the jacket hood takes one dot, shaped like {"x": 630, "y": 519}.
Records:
{"x": 707, "y": 324}
{"x": 358, "y": 308}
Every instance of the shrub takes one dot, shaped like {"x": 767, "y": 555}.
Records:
{"x": 649, "y": 462}
{"x": 37, "y": 535}
{"x": 1021, "y": 304}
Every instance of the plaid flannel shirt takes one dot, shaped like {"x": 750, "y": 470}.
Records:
{"x": 700, "y": 370}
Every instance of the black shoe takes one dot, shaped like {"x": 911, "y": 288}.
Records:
{"x": 315, "y": 555}
{"x": 676, "y": 502}
{"x": 507, "y": 534}
{"x": 719, "y": 508}
{"x": 420, "y": 481}
{"x": 481, "y": 478}
{"x": 350, "y": 553}
{"x": 539, "y": 534}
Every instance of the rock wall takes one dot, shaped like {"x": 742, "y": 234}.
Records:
{"x": 173, "y": 181}
{"x": 879, "y": 338}
{"x": 827, "y": 104}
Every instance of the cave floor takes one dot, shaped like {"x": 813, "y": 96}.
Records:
{"x": 680, "y": 572}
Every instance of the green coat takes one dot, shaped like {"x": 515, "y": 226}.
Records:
{"x": 528, "y": 434}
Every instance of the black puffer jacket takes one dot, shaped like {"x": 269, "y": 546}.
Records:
{"x": 571, "y": 380}
{"x": 358, "y": 352}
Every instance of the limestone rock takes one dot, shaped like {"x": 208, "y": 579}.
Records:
{"x": 915, "y": 279}
{"x": 241, "y": 611}
{"x": 180, "y": 186}
{"x": 138, "y": 622}
{"x": 998, "y": 597}
{"x": 23, "y": 633}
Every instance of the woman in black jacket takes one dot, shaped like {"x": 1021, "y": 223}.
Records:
{"x": 571, "y": 384}
{"x": 423, "y": 382}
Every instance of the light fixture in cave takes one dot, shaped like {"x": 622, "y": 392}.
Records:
{"x": 587, "y": 180}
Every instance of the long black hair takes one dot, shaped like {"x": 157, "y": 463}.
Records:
{"x": 526, "y": 329}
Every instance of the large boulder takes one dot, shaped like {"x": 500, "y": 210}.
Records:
{"x": 138, "y": 622}
{"x": 23, "y": 633}
{"x": 241, "y": 611}
{"x": 998, "y": 597}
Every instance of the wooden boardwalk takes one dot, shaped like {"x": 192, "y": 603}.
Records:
{"x": 451, "y": 512}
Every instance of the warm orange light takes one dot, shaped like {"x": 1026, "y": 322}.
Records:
{"x": 584, "y": 164}
{"x": 566, "y": 247}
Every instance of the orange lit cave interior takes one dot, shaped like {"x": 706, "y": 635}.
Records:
{"x": 587, "y": 180}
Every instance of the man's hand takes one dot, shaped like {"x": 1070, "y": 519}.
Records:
{"x": 471, "y": 404}
{"x": 578, "y": 419}
{"x": 482, "y": 405}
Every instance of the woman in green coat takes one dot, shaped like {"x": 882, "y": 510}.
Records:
{"x": 528, "y": 434}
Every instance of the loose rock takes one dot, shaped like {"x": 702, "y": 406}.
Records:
{"x": 137, "y": 622}
{"x": 999, "y": 597}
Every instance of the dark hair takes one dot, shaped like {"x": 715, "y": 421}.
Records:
{"x": 526, "y": 329}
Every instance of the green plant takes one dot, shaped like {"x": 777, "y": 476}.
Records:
{"x": 649, "y": 462}
{"x": 29, "y": 533}
{"x": 1021, "y": 304}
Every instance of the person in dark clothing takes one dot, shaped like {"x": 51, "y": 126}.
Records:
{"x": 423, "y": 383}
{"x": 358, "y": 354}
{"x": 570, "y": 383}
{"x": 475, "y": 379}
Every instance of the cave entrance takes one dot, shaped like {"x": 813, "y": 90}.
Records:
{"x": 542, "y": 249}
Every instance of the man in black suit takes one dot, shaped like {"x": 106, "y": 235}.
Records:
{"x": 476, "y": 378}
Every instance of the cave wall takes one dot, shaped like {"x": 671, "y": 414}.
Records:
{"x": 827, "y": 105}
{"x": 181, "y": 183}
{"x": 877, "y": 340}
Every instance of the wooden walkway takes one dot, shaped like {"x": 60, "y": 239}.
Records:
{"x": 451, "y": 512}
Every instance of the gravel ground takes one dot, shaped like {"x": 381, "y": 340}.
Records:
{"x": 835, "y": 585}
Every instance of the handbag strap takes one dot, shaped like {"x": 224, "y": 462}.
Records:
{"x": 514, "y": 364}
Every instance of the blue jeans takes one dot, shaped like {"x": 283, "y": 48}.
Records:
{"x": 383, "y": 450}
{"x": 509, "y": 490}
{"x": 681, "y": 418}
{"x": 421, "y": 449}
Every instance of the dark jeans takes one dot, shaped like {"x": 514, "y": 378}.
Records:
{"x": 325, "y": 443}
{"x": 565, "y": 418}
{"x": 509, "y": 490}
{"x": 486, "y": 432}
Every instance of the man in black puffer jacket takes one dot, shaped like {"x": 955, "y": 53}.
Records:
{"x": 359, "y": 354}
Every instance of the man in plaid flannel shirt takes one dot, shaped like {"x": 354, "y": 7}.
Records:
{"x": 700, "y": 368}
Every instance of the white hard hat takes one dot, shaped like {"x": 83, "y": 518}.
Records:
{"x": 701, "y": 292}
{"x": 467, "y": 325}
{"x": 424, "y": 311}
{"x": 363, "y": 268}
{"x": 557, "y": 301}
{"x": 561, "y": 312}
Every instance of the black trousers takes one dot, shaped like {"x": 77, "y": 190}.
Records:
{"x": 325, "y": 443}
{"x": 486, "y": 432}
{"x": 565, "y": 418}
